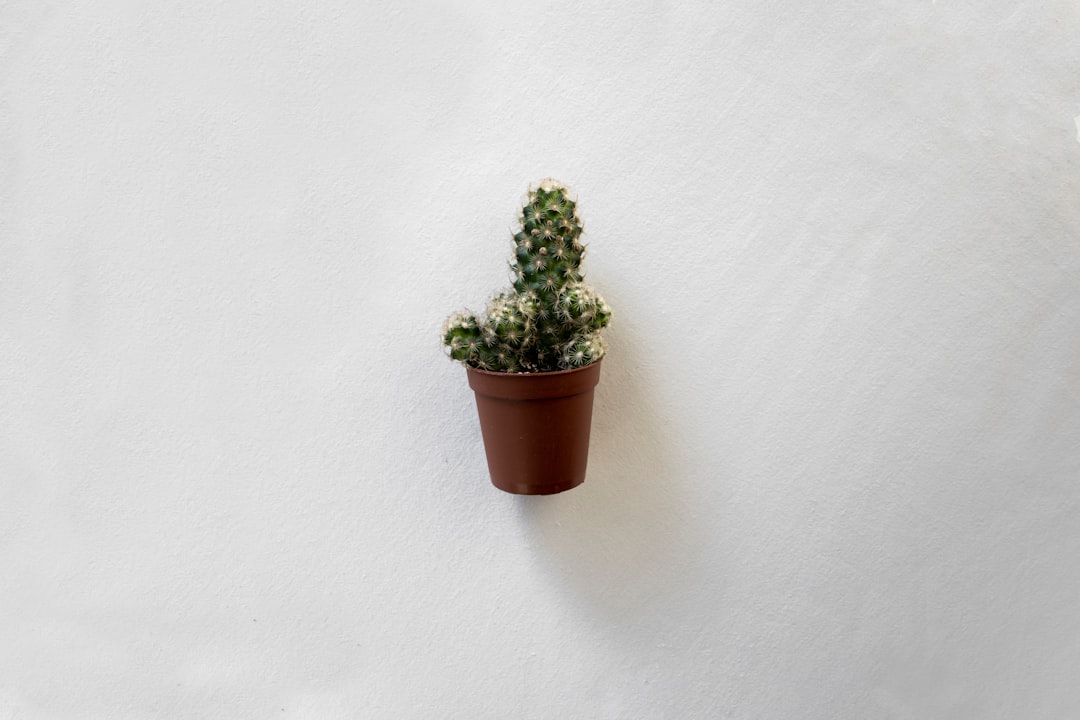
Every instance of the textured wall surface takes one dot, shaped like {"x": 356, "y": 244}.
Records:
{"x": 836, "y": 456}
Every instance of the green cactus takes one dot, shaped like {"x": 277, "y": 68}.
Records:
{"x": 550, "y": 320}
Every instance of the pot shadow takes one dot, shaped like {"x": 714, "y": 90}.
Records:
{"x": 625, "y": 541}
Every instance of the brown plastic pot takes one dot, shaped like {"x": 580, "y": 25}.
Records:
{"x": 536, "y": 427}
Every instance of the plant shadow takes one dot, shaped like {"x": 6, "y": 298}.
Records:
{"x": 624, "y": 541}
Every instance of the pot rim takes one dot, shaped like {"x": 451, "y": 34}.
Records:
{"x": 534, "y": 386}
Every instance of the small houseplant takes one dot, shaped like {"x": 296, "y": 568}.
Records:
{"x": 533, "y": 357}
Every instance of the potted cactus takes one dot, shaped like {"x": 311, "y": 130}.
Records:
{"x": 533, "y": 357}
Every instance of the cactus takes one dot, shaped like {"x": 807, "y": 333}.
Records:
{"x": 551, "y": 319}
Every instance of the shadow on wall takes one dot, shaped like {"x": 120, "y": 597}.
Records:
{"x": 622, "y": 540}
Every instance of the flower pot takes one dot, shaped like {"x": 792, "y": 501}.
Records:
{"x": 536, "y": 427}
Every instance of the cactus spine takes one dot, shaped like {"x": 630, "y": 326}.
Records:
{"x": 551, "y": 319}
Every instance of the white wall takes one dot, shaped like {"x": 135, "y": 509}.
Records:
{"x": 836, "y": 457}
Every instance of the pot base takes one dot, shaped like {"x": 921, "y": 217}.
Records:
{"x": 533, "y": 489}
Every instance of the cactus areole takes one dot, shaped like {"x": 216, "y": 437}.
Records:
{"x": 533, "y": 356}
